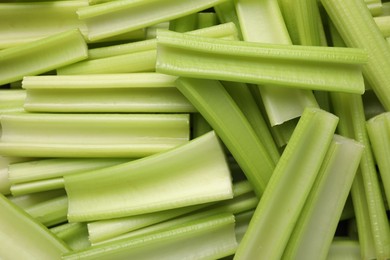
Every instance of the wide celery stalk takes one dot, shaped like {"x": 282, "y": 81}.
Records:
{"x": 91, "y": 135}
{"x": 305, "y": 67}
{"x": 285, "y": 195}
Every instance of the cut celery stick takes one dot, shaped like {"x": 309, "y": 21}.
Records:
{"x": 208, "y": 238}
{"x": 207, "y": 19}
{"x": 41, "y": 55}
{"x": 75, "y": 235}
{"x": 315, "y": 228}
{"x": 26, "y": 22}
{"x": 91, "y": 135}
{"x": 12, "y": 100}
{"x": 383, "y": 22}
{"x": 344, "y": 250}
{"x": 226, "y": 13}
{"x": 37, "y": 186}
{"x": 5, "y": 162}
{"x": 305, "y": 67}
{"x": 358, "y": 29}
{"x": 112, "y": 18}
{"x": 22, "y": 237}
{"x": 133, "y": 92}
{"x": 288, "y": 187}
{"x": 184, "y": 180}
{"x": 215, "y": 104}
{"x": 184, "y": 23}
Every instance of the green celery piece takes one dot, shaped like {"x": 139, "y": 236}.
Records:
{"x": 315, "y": 228}
{"x": 5, "y": 162}
{"x": 344, "y": 249}
{"x": 184, "y": 23}
{"x": 305, "y": 67}
{"x": 226, "y": 13}
{"x": 359, "y": 30}
{"x": 383, "y": 22}
{"x": 208, "y": 238}
{"x": 151, "y": 31}
{"x": 91, "y": 135}
{"x": 262, "y": 21}
{"x": 31, "y": 199}
{"x": 23, "y": 237}
{"x": 36, "y": 186}
{"x": 132, "y": 92}
{"x": 242, "y": 223}
{"x": 12, "y": 100}
{"x": 21, "y": 23}
{"x": 199, "y": 125}
{"x": 75, "y": 235}
{"x": 207, "y": 19}
{"x": 378, "y": 129}
{"x": 42, "y": 55}
{"x": 285, "y": 195}
{"x": 184, "y": 180}
{"x": 219, "y": 109}
{"x": 112, "y": 18}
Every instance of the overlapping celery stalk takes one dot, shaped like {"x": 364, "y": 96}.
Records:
{"x": 116, "y": 17}
{"x": 12, "y": 100}
{"x": 285, "y": 195}
{"x": 5, "y": 162}
{"x": 75, "y": 235}
{"x": 305, "y": 67}
{"x": 91, "y": 135}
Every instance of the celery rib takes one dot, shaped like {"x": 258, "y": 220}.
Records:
{"x": 36, "y": 186}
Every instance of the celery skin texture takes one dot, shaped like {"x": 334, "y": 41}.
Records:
{"x": 37, "y": 186}
{"x": 288, "y": 187}
{"x": 12, "y": 100}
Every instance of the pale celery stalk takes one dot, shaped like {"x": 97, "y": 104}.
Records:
{"x": 131, "y": 93}
{"x": 226, "y": 13}
{"x": 383, "y": 22}
{"x": 37, "y": 186}
{"x": 151, "y": 31}
{"x": 183, "y": 175}
{"x": 219, "y": 109}
{"x": 184, "y": 23}
{"x": 112, "y": 18}
{"x": 23, "y": 237}
{"x": 12, "y": 100}
{"x": 207, "y": 238}
{"x": 285, "y": 195}
{"x": 304, "y": 67}
{"x": 344, "y": 249}
{"x": 262, "y": 21}
{"x": 207, "y": 19}
{"x": 378, "y": 129}
{"x": 75, "y": 235}
{"x": 26, "y": 22}
{"x": 315, "y": 228}
{"x": 41, "y": 55}
{"x": 91, "y": 135}
{"x": 31, "y": 199}
{"x": 358, "y": 29}
{"x": 5, "y": 162}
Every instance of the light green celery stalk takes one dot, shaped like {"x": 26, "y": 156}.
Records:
{"x": 285, "y": 195}
{"x": 383, "y": 22}
{"x": 75, "y": 235}
{"x": 315, "y": 228}
{"x": 305, "y": 67}
{"x": 219, "y": 109}
{"x": 359, "y": 30}
{"x": 26, "y": 22}
{"x": 132, "y": 92}
{"x": 378, "y": 129}
{"x": 344, "y": 249}
{"x": 12, "y": 100}
{"x": 184, "y": 23}
{"x": 184, "y": 180}
{"x": 375, "y": 7}
{"x": 42, "y": 55}
{"x": 207, "y": 19}
{"x": 91, "y": 135}
{"x": 135, "y": 56}
{"x": 207, "y": 238}
{"x": 116, "y": 17}
{"x": 242, "y": 223}
{"x": 262, "y": 21}
{"x": 373, "y": 225}
{"x": 37, "y": 186}
{"x": 22, "y": 237}
{"x": 5, "y": 183}
{"x": 31, "y": 199}
{"x": 226, "y": 13}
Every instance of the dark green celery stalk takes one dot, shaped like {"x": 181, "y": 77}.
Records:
{"x": 226, "y": 12}
{"x": 75, "y": 235}
{"x": 199, "y": 125}
{"x": 215, "y": 104}
{"x": 285, "y": 195}
{"x": 185, "y": 23}
{"x": 23, "y": 237}
{"x": 207, "y": 19}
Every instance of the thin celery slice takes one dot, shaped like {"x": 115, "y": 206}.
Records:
{"x": 91, "y": 135}
{"x": 12, "y": 100}
{"x": 37, "y": 186}
{"x": 184, "y": 180}
{"x": 383, "y": 22}
{"x": 207, "y": 238}
{"x": 358, "y": 29}
{"x": 315, "y": 228}
{"x": 288, "y": 187}
{"x": 75, "y": 235}
{"x": 41, "y": 55}
{"x": 22, "y": 237}
{"x": 108, "y": 19}
{"x": 310, "y": 67}
{"x": 344, "y": 250}
{"x": 215, "y": 104}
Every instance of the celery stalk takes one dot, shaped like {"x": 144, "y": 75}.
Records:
{"x": 91, "y": 135}
{"x": 12, "y": 100}
{"x": 226, "y": 13}
{"x": 184, "y": 23}
{"x": 108, "y": 19}
{"x": 24, "y": 238}
{"x": 383, "y": 22}
{"x": 37, "y": 186}
{"x": 307, "y": 67}
{"x": 288, "y": 187}
{"x": 75, "y": 235}
{"x": 31, "y": 199}
{"x": 344, "y": 249}
{"x": 5, "y": 162}
{"x": 184, "y": 180}
{"x": 41, "y": 55}
{"x": 207, "y": 19}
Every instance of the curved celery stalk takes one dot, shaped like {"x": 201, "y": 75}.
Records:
{"x": 306, "y": 67}
{"x": 112, "y": 18}
{"x": 91, "y": 135}
{"x": 75, "y": 235}
{"x": 288, "y": 187}
{"x": 37, "y": 186}
{"x": 22, "y": 237}
{"x": 359, "y": 30}
{"x": 12, "y": 100}
{"x": 41, "y": 55}
{"x": 184, "y": 180}
{"x": 315, "y": 229}
{"x": 215, "y": 104}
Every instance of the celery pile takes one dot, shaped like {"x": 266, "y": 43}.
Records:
{"x": 209, "y": 129}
